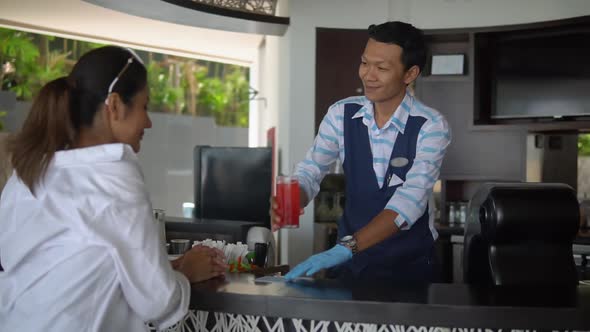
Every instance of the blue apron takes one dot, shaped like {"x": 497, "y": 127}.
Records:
{"x": 407, "y": 255}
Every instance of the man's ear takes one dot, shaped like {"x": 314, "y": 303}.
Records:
{"x": 411, "y": 74}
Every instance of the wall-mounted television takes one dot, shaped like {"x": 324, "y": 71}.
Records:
{"x": 540, "y": 74}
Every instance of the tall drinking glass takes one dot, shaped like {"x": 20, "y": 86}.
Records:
{"x": 288, "y": 201}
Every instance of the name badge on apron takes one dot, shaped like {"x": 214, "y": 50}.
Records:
{"x": 399, "y": 162}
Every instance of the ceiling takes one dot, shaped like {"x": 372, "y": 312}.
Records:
{"x": 81, "y": 20}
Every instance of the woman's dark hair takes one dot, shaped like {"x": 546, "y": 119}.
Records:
{"x": 67, "y": 104}
{"x": 406, "y": 36}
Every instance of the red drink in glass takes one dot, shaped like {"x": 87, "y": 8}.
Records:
{"x": 288, "y": 201}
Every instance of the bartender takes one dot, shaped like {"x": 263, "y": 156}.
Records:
{"x": 391, "y": 147}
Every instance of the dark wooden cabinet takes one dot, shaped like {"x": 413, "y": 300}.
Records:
{"x": 535, "y": 76}
{"x": 473, "y": 153}
{"x": 338, "y": 55}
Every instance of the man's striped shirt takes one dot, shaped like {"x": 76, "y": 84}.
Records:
{"x": 410, "y": 199}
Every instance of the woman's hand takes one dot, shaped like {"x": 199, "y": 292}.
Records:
{"x": 202, "y": 263}
{"x": 176, "y": 263}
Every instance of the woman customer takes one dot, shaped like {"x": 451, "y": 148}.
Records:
{"x": 79, "y": 246}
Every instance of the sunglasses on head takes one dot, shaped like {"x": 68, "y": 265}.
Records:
{"x": 133, "y": 57}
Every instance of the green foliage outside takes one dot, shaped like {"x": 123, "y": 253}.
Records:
{"x": 177, "y": 85}
{"x": 584, "y": 145}
{"x": 17, "y": 50}
{"x": 2, "y": 114}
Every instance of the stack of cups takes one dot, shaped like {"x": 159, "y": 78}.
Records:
{"x": 160, "y": 217}
{"x": 179, "y": 246}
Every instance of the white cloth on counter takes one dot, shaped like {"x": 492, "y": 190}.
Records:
{"x": 84, "y": 253}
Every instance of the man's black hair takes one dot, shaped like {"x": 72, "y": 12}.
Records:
{"x": 406, "y": 36}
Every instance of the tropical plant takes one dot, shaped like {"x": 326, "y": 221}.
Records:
{"x": 184, "y": 86}
{"x": 226, "y": 98}
{"x": 163, "y": 95}
{"x": 28, "y": 62}
{"x": 177, "y": 85}
{"x": 584, "y": 145}
{"x": 18, "y": 56}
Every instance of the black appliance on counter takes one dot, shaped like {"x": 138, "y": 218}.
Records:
{"x": 328, "y": 208}
{"x": 521, "y": 234}
{"x": 233, "y": 183}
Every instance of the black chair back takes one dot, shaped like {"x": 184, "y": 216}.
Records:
{"x": 521, "y": 234}
{"x": 233, "y": 183}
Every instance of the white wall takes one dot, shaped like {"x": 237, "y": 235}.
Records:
{"x": 297, "y": 53}
{"x": 273, "y": 86}
{"x": 272, "y": 82}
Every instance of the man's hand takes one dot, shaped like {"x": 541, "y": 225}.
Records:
{"x": 335, "y": 256}
{"x": 275, "y": 217}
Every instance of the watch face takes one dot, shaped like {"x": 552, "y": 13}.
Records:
{"x": 349, "y": 241}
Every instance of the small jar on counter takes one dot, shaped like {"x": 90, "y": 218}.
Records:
{"x": 452, "y": 213}
{"x": 462, "y": 213}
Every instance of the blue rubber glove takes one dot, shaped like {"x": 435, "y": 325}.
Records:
{"x": 329, "y": 258}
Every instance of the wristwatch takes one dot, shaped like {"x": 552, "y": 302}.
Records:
{"x": 349, "y": 241}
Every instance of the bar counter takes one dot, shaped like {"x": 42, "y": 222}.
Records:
{"x": 310, "y": 303}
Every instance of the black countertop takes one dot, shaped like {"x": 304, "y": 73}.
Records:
{"x": 235, "y": 230}
{"x": 445, "y": 305}
{"x": 200, "y": 229}
{"x": 583, "y": 237}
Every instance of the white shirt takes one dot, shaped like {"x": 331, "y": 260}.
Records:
{"x": 410, "y": 200}
{"x": 84, "y": 253}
